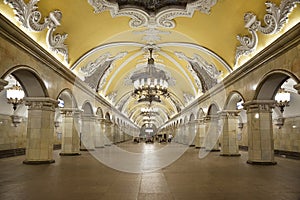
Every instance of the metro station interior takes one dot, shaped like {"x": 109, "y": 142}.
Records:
{"x": 149, "y": 99}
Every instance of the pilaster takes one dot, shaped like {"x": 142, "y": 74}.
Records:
{"x": 40, "y": 130}
{"x": 260, "y": 132}
{"x": 200, "y": 134}
{"x": 228, "y": 139}
{"x": 87, "y": 133}
{"x": 212, "y": 135}
{"x": 70, "y": 135}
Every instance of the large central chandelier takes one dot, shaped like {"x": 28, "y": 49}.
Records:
{"x": 151, "y": 83}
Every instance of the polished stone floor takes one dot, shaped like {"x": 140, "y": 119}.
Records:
{"x": 188, "y": 177}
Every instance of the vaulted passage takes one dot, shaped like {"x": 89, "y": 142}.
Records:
{"x": 155, "y": 99}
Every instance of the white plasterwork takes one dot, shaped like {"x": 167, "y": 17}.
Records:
{"x": 164, "y": 18}
{"x": 274, "y": 21}
{"x": 30, "y": 18}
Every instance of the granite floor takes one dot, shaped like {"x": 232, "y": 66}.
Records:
{"x": 189, "y": 177}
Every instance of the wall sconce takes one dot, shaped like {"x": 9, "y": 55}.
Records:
{"x": 15, "y": 95}
{"x": 240, "y": 125}
{"x": 279, "y": 122}
{"x": 282, "y": 99}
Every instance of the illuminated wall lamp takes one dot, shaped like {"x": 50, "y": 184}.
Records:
{"x": 15, "y": 95}
{"x": 282, "y": 99}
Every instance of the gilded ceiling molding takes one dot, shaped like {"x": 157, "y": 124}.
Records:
{"x": 274, "y": 21}
{"x": 164, "y": 18}
{"x": 30, "y": 18}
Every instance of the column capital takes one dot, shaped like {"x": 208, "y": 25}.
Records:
{"x": 70, "y": 111}
{"x": 260, "y": 105}
{"x": 227, "y": 113}
{"x": 41, "y": 103}
{"x": 3, "y": 83}
{"x": 297, "y": 87}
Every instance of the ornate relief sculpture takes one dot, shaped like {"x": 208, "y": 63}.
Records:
{"x": 151, "y": 17}
{"x": 274, "y": 21}
{"x": 206, "y": 72}
{"x": 96, "y": 72}
{"x": 30, "y": 18}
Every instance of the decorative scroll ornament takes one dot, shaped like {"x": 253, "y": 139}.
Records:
{"x": 164, "y": 18}
{"x": 96, "y": 72}
{"x": 274, "y": 21}
{"x": 204, "y": 72}
{"x": 30, "y": 18}
{"x": 188, "y": 97}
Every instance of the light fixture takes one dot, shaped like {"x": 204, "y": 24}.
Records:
{"x": 282, "y": 99}
{"x": 150, "y": 83}
{"x": 15, "y": 95}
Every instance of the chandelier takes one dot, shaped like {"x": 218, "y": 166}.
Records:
{"x": 150, "y": 83}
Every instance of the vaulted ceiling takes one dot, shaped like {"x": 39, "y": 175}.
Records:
{"x": 197, "y": 42}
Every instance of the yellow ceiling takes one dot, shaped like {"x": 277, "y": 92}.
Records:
{"x": 213, "y": 37}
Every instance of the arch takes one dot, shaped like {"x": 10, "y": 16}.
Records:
{"x": 30, "y": 80}
{"x": 186, "y": 119}
{"x": 87, "y": 109}
{"x": 233, "y": 98}
{"x": 99, "y": 112}
{"x": 192, "y": 117}
{"x": 200, "y": 113}
{"x": 107, "y": 116}
{"x": 213, "y": 109}
{"x": 271, "y": 82}
{"x": 68, "y": 98}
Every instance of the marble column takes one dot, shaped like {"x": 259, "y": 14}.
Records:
{"x": 212, "y": 136}
{"x": 40, "y": 130}
{"x": 87, "y": 133}
{"x": 108, "y": 133}
{"x": 99, "y": 133}
{"x": 70, "y": 133}
{"x": 260, "y": 132}
{"x": 192, "y": 133}
{"x": 200, "y": 134}
{"x": 228, "y": 139}
{"x": 3, "y": 83}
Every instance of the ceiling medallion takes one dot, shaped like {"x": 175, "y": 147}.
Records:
{"x": 274, "y": 20}
{"x": 30, "y": 18}
{"x": 154, "y": 13}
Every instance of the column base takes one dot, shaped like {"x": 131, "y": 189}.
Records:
{"x": 69, "y": 154}
{"x": 213, "y": 150}
{"x": 200, "y": 147}
{"x": 236, "y": 154}
{"x": 192, "y": 145}
{"x": 38, "y": 162}
{"x": 261, "y": 163}
{"x": 87, "y": 149}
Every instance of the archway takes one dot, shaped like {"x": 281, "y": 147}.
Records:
{"x": 259, "y": 117}
{"x": 40, "y": 122}
{"x": 88, "y": 128}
